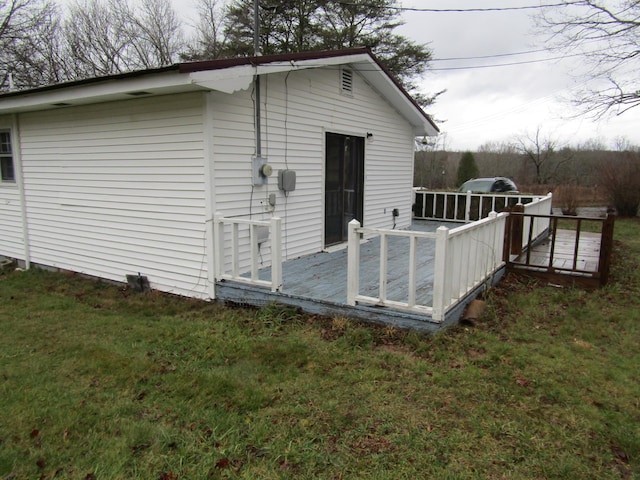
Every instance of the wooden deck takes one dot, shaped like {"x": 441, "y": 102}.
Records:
{"x": 317, "y": 283}
{"x": 564, "y": 262}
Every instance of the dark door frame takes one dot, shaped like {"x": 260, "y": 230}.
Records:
{"x": 343, "y": 185}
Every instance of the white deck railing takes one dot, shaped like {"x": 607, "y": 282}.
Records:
{"x": 230, "y": 242}
{"x": 465, "y": 258}
{"x": 463, "y": 207}
{"x": 536, "y": 227}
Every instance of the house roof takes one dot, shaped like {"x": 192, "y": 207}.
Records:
{"x": 226, "y": 75}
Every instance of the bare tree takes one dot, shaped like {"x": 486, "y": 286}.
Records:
{"x": 605, "y": 33}
{"x": 430, "y": 162}
{"x": 29, "y": 36}
{"x": 499, "y": 159}
{"x": 543, "y": 153}
{"x": 156, "y": 33}
{"x": 208, "y": 42}
{"x": 623, "y": 144}
{"x": 98, "y": 38}
{"x": 110, "y": 36}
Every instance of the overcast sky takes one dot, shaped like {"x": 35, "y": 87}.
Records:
{"x": 498, "y": 103}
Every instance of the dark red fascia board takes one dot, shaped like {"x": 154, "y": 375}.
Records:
{"x": 265, "y": 59}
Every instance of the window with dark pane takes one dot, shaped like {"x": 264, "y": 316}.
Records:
{"x": 6, "y": 157}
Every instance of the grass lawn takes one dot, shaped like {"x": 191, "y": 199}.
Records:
{"x": 98, "y": 382}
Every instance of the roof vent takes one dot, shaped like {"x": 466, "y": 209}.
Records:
{"x": 138, "y": 94}
{"x": 61, "y": 104}
{"x": 346, "y": 81}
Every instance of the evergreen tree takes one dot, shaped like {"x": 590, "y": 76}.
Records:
{"x": 467, "y": 168}
{"x": 306, "y": 25}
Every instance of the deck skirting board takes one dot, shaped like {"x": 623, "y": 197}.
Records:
{"x": 246, "y": 295}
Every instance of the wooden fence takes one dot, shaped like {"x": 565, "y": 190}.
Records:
{"x": 574, "y": 254}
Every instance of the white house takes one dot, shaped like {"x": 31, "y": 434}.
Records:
{"x": 123, "y": 174}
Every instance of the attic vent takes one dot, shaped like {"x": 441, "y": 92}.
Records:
{"x": 346, "y": 81}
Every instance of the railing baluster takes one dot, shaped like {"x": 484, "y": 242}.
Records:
{"x": 530, "y": 239}
{"x": 413, "y": 241}
{"x": 577, "y": 244}
{"x": 383, "y": 267}
{"x": 235, "y": 249}
{"x": 433, "y": 205}
{"x": 553, "y": 243}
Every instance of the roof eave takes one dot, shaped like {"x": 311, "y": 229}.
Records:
{"x": 223, "y": 75}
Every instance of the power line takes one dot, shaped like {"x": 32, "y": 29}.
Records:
{"x": 524, "y": 62}
{"x": 496, "y": 55}
{"x": 466, "y": 10}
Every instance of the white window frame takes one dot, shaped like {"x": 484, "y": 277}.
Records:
{"x": 7, "y": 155}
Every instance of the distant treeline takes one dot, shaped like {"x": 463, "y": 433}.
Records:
{"x": 600, "y": 175}
{"x": 437, "y": 169}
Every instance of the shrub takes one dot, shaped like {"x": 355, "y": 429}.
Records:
{"x": 621, "y": 180}
{"x": 567, "y": 197}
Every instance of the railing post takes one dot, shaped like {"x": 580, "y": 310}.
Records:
{"x": 517, "y": 224}
{"x": 440, "y": 274}
{"x": 218, "y": 245}
{"x": 606, "y": 245}
{"x": 353, "y": 262}
{"x": 493, "y": 243}
{"x": 467, "y": 210}
{"x": 276, "y": 254}
{"x": 506, "y": 247}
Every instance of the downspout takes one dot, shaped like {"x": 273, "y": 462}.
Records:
{"x": 256, "y": 52}
{"x": 258, "y": 128}
{"x": 17, "y": 159}
{"x": 210, "y": 197}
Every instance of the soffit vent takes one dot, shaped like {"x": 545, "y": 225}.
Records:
{"x": 346, "y": 81}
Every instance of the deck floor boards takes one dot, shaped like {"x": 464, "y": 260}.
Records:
{"x": 323, "y": 275}
{"x": 563, "y": 255}
{"x": 585, "y": 264}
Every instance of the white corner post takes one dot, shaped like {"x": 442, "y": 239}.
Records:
{"x": 440, "y": 274}
{"x": 353, "y": 262}
{"x": 276, "y": 254}
{"x": 19, "y": 173}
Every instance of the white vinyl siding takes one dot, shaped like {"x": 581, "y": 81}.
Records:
{"x": 121, "y": 187}
{"x": 310, "y": 103}
{"x": 118, "y": 188}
